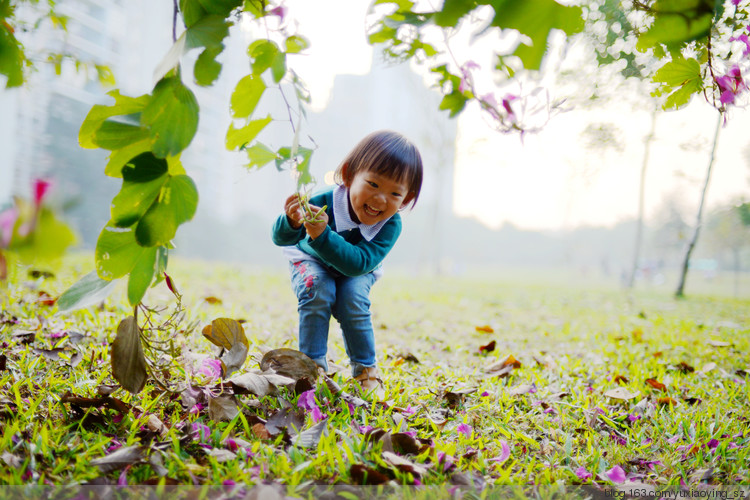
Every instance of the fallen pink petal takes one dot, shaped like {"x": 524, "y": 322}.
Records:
{"x": 465, "y": 429}
{"x": 582, "y": 474}
{"x": 616, "y": 474}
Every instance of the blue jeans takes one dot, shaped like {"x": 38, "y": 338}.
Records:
{"x": 322, "y": 292}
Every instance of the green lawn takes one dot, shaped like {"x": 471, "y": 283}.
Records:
{"x": 608, "y": 388}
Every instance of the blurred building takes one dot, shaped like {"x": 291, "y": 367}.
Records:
{"x": 41, "y": 122}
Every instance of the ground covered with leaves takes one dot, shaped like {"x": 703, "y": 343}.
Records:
{"x": 487, "y": 383}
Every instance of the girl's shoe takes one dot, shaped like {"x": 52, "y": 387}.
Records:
{"x": 372, "y": 385}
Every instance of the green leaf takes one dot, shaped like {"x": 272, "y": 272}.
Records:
{"x": 113, "y": 135}
{"x": 49, "y": 240}
{"x": 246, "y": 95}
{"x": 143, "y": 178}
{"x": 263, "y": 53}
{"x": 12, "y": 58}
{"x": 144, "y": 168}
{"x": 116, "y": 252}
{"x": 207, "y": 68}
{"x": 176, "y": 204}
{"x": 192, "y": 11}
{"x": 141, "y": 276}
{"x": 535, "y": 19}
{"x": 384, "y": 35}
{"x": 453, "y": 11}
{"x": 87, "y": 291}
{"x": 123, "y": 106}
{"x": 681, "y": 74}
{"x": 119, "y": 157}
{"x": 278, "y": 67}
{"x": 453, "y": 102}
{"x": 128, "y": 362}
{"x": 295, "y": 44}
{"x": 209, "y": 32}
{"x": 220, "y": 7}
{"x": 259, "y": 155}
{"x": 303, "y": 167}
{"x": 677, "y": 22}
{"x": 238, "y": 138}
{"x": 172, "y": 117}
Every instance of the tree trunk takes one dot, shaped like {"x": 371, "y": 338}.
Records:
{"x": 699, "y": 218}
{"x": 641, "y": 199}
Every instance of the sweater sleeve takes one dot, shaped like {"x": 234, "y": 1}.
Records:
{"x": 283, "y": 234}
{"x": 356, "y": 259}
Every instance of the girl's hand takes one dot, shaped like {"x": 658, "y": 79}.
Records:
{"x": 293, "y": 211}
{"x": 315, "y": 229}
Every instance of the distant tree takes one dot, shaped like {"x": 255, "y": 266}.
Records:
{"x": 728, "y": 232}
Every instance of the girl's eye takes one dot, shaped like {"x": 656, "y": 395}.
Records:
{"x": 372, "y": 184}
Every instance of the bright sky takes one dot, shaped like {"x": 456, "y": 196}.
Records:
{"x": 548, "y": 181}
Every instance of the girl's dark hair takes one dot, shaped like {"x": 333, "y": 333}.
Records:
{"x": 385, "y": 153}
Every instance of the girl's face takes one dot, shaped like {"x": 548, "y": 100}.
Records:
{"x": 373, "y": 197}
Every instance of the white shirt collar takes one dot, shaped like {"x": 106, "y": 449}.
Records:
{"x": 344, "y": 221}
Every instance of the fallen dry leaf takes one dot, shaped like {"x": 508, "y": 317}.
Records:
{"x": 222, "y": 408}
{"x": 666, "y": 401}
{"x": 213, "y": 300}
{"x": 290, "y": 363}
{"x": 656, "y": 384}
{"x": 128, "y": 361}
{"x": 403, "y": 464}
{"x": 361, "y": 474}
{"x": 119, "y": 459}
{"x": 708, "y": 367}
{"x": 621, "y": 379}
{"x": 620, "y": 393}
{"x": 484, "y": 329}
{"x": 718, "y": 343}
{"x": 487, "y": 348}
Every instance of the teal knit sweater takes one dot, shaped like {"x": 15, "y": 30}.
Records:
{"x": 348, "y": 251}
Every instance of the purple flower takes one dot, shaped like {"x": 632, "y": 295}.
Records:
{"x": 410, "y": 433}
{"x": 41, "y": 187}
{"x": 730, "y": 85}
{"x": 618, "y": 439}
{"x": 736, "y": 2}
{"x": 197, "y": 407}
{"x": 485, "y": 394}
{"x": 7, "y": 221}
{"x": 713, "y": 444}
{"x": 409, "y": 411}
{"x": 317, "y": 415}
{"x": 616, "y": 474}
{"x": 465, "y": 429}
{"x": 673, "y": 439}
{"x": 364, "y": 429}
{"x": 279, "y": 11}
{"x": 504, "y": 453}
{"x": 211, "y": 368}
{"x": 744, "y": 39}
{"x": 446, "y": 460}
{"x": 583, "y": 474}
{"x": 633, "y": 418}
{"x": 201, "y": 431}
{"x": 647, "y": 441}
{"x": 306, "y": 400}
{"x": 231, "y": 445}
{"x": 123, "y": 479}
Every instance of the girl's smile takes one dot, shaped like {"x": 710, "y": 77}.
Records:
{"x": 374, "y": 197}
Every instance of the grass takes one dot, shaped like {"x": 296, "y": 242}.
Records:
{"x": 447, "y": 419}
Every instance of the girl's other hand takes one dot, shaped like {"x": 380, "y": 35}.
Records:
{"x": 315, "y": 229}
{"x": 293, "y": 211}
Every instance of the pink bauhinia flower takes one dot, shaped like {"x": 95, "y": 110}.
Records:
{"x": 41, "y": 187}
{"x": 211, "y": 368}
{"x": 465, "y": 429}
{"x": 7, "y": 221}
{"x": 731, "y": 85}
{"x": 616, "y": 474}
{"x": 504, "y": 453}
{"x": 583, "y": 474}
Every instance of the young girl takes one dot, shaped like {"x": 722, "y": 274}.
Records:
{"x": 335, "y": 259}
